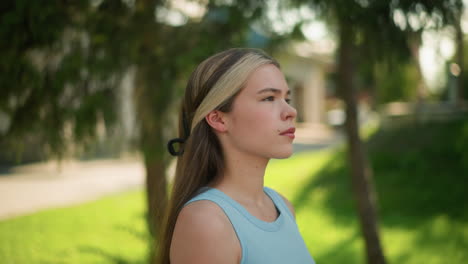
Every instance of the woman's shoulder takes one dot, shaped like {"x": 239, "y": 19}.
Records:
{"x": 202, "y": 212}
{"x": 202, "y": 226}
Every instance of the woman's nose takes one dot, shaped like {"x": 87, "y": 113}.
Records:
{"x": 289, "y": 112}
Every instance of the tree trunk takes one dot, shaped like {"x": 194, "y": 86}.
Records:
{"x": 152, "y": 146}
{"x": 156, "y": 186}
{"x": 360, "y": 170}
{"x": 414, "y": 43}
{"x": 459, "y": 56}
{"x": 156, "y": 193}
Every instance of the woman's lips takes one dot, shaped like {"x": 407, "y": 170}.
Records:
{"x": 289, "y": 133}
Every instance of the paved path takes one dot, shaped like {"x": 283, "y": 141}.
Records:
{"x": 31, "y": 188}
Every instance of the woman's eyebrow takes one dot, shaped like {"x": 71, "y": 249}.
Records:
{"x": 274, "y": 90}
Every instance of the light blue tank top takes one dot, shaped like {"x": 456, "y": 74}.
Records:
{"x": 276, "y": 242}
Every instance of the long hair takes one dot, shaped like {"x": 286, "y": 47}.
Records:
{"x": 213, "y": 85}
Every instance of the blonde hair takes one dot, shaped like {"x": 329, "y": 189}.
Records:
{"x": 212, "y": 86}
{"x": 229, "y": 84}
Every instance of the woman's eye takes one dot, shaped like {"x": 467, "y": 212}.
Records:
{"x": 288, "y": 100}
{"x": 269, "y": 98}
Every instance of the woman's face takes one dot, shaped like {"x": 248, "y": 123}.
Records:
{"x": 262, "y": 121}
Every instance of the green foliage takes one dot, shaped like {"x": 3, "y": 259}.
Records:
{"x": 396, "y": 82}
{"x": 381, "y": 45}
{"x": 426, "y": 160}
{"x": 46, "y": 84}
{"x": 63, "y": 62}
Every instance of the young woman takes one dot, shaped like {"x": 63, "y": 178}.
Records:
{"x": 235, "y": 117}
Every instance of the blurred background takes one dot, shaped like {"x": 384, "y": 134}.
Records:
{"x": 89, "y": 97}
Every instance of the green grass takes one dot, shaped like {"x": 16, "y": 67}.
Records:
{"x": 111, "y": 230}
{"x": 421, "y": 177}
{"x": 420, "y": 172}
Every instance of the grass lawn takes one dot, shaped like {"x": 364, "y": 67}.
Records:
{"x": 110, "y": 230}
{"x": 421, "y": 175}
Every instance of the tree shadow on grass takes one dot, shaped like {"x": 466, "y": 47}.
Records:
{"x": 334, "y": 181}
{"x": 419, "y": 171}
{"x": 419, "y": 177}
{"x": 109, "y": 257}
{"x": 140, "y": 235}
{"x": 436, "y": 240}
{"x": 115, "y": 257}
{"x": 342, "y": 252}
{"x": 413, "y": 183}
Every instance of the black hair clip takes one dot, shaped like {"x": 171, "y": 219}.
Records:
{"x": 171, "y": 149}
{"x": 170, "y": 144}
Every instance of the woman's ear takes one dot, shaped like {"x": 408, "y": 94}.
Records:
{"x": 216, "y": 119}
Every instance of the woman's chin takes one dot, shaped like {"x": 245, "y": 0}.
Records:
{"x": 283, "y": 154}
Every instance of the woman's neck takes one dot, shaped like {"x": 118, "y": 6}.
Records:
{"x": 243, "y": 177}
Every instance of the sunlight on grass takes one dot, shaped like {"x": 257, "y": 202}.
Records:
{"x": 325, "y": 240}
{"x": 286, "y": 176}
{"x": 422, "y": 216}
{"x": 111, "y": 230}
{"x": 437, "y": 240}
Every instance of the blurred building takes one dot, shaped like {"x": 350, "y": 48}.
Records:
{"x": 306, "y": 67}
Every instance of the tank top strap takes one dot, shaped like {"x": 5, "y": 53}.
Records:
{"x": 279, "y": 201}
{"x": 217, "y": 197}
